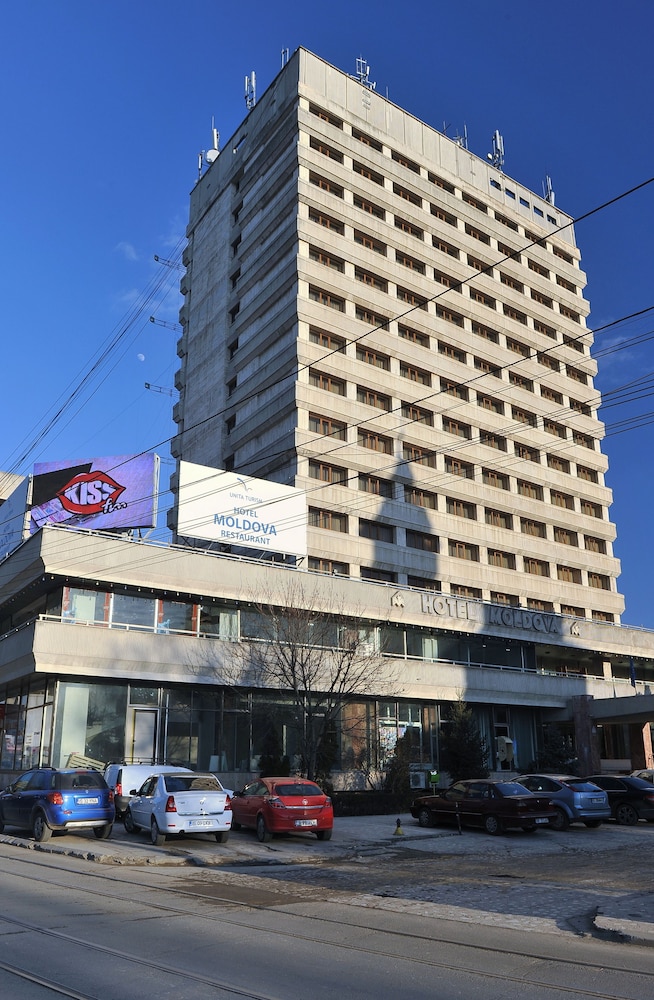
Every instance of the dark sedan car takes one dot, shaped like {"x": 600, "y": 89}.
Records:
{"x": 630, "y": 798}
{"x": 494, "y": 805}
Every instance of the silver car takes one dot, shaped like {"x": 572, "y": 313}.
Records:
{"x": 575, "y": 799}
{"x": 180, "y": 802}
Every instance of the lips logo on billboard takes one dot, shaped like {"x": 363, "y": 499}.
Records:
{"x": 91, "y": 493}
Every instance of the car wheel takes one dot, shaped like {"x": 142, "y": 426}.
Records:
{"x": 222, "y": 836}
{"x": 40, "y": 829}
{"x": 102, "y": 832}
{"x": 626, "y": 815}
{"x": 156, "y": 836}
{"x": 128, "y": 822}
{"x": 424, "y": 818}
{"x": 324, "y": 834}
{"x": 263, "y": 833}
{"x": 2, "y": 826}
{"x": 561, "y": 821}
{"x": 592, "y": 824}
{"x": 492, "y": 825}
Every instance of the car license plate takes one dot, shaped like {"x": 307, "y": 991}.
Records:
{"x": 306, "y": 822}
{"x": 87, "y": 802}
{"x": 598, "y": 799}
{"x": 202, "y": 822}
{"x": 542, "y": 820}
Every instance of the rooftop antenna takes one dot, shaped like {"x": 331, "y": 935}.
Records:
{"x": 462, "y": 140}
{"x": 207, "y": 156}
{"x": 497, "y": 156}
{"x": 284, "y": 57}
{"x": 363, "y": 73}
{"x": 250, "y": 91}
{"x": 548, "y": 190}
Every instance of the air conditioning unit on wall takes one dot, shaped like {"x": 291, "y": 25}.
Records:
{"x": 417, "y": 779}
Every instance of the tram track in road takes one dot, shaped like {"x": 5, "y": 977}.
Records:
{"x": 246, "y": 895}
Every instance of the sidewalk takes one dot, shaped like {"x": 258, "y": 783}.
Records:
{"x": 629, "y": 917}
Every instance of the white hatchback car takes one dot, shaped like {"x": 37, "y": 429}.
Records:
{"x": 180, "y": 802}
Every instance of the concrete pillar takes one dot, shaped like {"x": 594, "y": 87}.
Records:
{"x": 586, "y": 738}
{"x": 640, "y": 745}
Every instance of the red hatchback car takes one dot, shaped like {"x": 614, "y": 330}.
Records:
{"x": 283, "y": 805}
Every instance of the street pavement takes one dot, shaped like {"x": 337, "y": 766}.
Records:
{"x": 621, "y": 915}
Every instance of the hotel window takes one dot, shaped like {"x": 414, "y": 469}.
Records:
{"x": 603, "y": 616}
{"x": 514, "y": 314}
{"x": 411, "y": 298}
{"x": 451, "y": 352}
{"x": 463, "y": 550}
{"x": 551, "y": 395}
{"x": 569, "y": 313}
{"x": 497, "y": 479}
{"x": 549, "y": 331}
{"x": 576, "y": 375}
{"x": 420, "y": 498}
{"x": 506, "y": 222}
{"x": 558, "y": 463}
{"x": 455, "y": 467}
{"x": 448, "y": 314}
{"x": 325, "y": 298}
{"x": 419, "y": 540}
{"x": 591, "y": 509}
{"x": 489, "y": 403}
{"x": 230, "y": 424}
{"x": 530, "y": 490}
{"x": 376, "y": 531}
{"x": 525, "y": 452}
{"x": 369, "y": 242}
{"x": 457, "y": 427}
{"x": 592, "y": 544}
{"x": 370, "y": 175}
{"x": 549, "y": 362}
{"x": 465, "y": 592}
{"x": 440, "y": 244}
{"x": 410, "y": 262}
{"x": 331, "y": 520}
{"x": 417, "y": 414}
{"x": 589, "y": 475}
{"x": 325, "y": 184}
{"x": 232, "y": 349}
{"x": 404, "y": 162}
{"x": 580, "y": 407}
{"x": 371, "y": 397}
{"x": 499, "y": 518}
{"x": 415, "y": 374}
{"x": 477, "y": 234}
{"x": 330, "y": 341}
{"x": 487, "y": 367}
{"x": 368, "y": 206}
{"x": 486, "y": 332}
{"x": 373, "y": 280}
{"x": 370, "y": 317}
{"x": 533, "y": 265}
{"x": 375, "y": 442}
{"x": 322, "y": 147}
{"x": 535, "y": 604}
{"x": 234, "y": 278}
{"x": 231, "y": 386}
{"x": 422, "y": 456}
{"x": 234, "y": 311}
{"x": 471, "y": 200}
{"x": 492, "y": 440}
{"x": 521, "y": 382}
{"x": 461, "y": 508}
{"x": 416, "y": 336}
{"x": 440, "y": 213}
{"x": 584, "y": 440}
{"x": 558, "y": 252}
{"x": 553, "y": 428}
{"x": 480, "y": 265}
{"x": 560, "y": 499}
{"x": 326, "y": 220}
{"x": 543, "y": 300}
{"x": 326, "y": 116}
{"x": 517, "y": 347}
{"x": 331, "y": 566}
{"x": 367, "y": 140}
{"x": 536, "y": 567}
{"x": 454, "y": 389}
{"x": 565, "y": 537}
{"x": 329, "y": 383}
{"x": 510, "y": 600}
{"x": 326, "y": 473}
{"x": 574, "y": 343}
{"x": 422, "y": 583}
{"x": 374, "y": 358}
{"x": 409, "y": 227}
{"x": 411, "y": 196}
{"x": 327, "y": 426}
{"x": 378, "y": 575}
{"x": 447, "y": 281}
{"x": 564, "y": 283}
{"x": 523, "y": 416}
{"x": 478, "y": 296}
{"x": 511, "y": 282}
{"x": 326, "y": 259}
{"x": 509, "y": 252}
{"x": 599, "y": 581}
{"x": 572, "y": 611}
{"x": 373, "y": 484}
{"x": 536, "y": 529}
{"x": 439, "y": 182}
{"x": 503, "y": 560}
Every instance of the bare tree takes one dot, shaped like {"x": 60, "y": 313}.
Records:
{"x": 321, "y": 660}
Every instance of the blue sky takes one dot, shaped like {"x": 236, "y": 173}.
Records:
{"x": 106, "y": 106}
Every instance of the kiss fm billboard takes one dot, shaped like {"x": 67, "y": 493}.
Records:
{"x": 103, "y": 494}
{"x": 240, "y": 510}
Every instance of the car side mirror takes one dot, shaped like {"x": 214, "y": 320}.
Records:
{"x": 133, "y": 791}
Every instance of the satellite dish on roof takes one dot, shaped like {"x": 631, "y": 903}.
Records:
{"x": 211, "y": 155}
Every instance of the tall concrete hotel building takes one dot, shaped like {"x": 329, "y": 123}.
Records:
{"x": 381, "y": 318}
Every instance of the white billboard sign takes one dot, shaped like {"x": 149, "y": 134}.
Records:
{"x": 240, "y": 510}
{"x": 13, "y": 518}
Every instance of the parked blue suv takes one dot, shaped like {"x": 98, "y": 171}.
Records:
{"x": 48, "y": 799}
